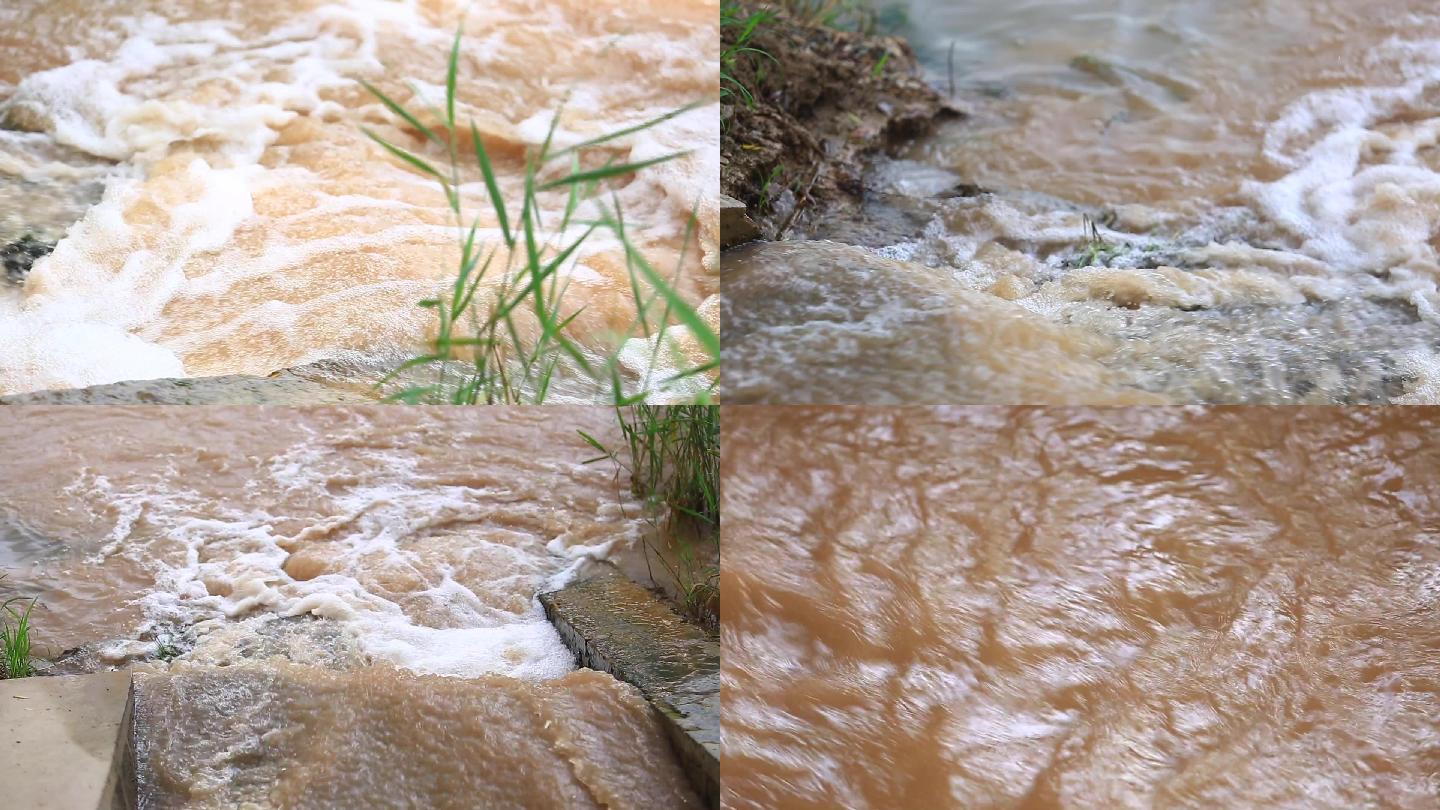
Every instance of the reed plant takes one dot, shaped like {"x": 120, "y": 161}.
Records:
{"x": 483, "y": 351}
{"x": 15, "y": 656}
{"x": 671, "y": 457}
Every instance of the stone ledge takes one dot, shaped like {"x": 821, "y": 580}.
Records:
{"x": 614, "y": 625}
{"x": 289, "y": 387}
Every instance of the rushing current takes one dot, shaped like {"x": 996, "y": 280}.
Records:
{"x": 216, "y": 208}
{"x": 1133, "y": 608}
{"x": 288, "y": 736}
{"x": 356, "y": 582}
{"x": 1167, "y": 200}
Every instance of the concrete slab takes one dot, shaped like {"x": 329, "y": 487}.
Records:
{"x": 614, "y": 625}
{"x": 63, "y": 742}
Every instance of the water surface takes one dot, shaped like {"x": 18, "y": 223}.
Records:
{"x": 1234, "y": 202}
{"x": 1136, "y": 607}
{"x": 219, "y": 209}
{"x": 335, "y": 606}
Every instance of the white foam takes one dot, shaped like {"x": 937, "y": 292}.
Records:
{"x": 530, "y": 650}
{"x": 1358, "y": 194}
{"x": 231, "y": 565}
{"x": 42, "y": 353}
{"x": 84, "y": 320}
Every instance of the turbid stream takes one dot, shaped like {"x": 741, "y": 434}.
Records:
{"x": 339, "y": 604}
{"x": 1131, "y": 608}
{"x": 1263, "y": 185}
{"x": 218, "y": 209}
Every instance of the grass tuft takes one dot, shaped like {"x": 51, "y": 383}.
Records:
{"x": 767, "y": 186}
{"x": 15, "y": 657}
{"x": 672, "y": 458}
{"x": 1097, "y": 250}
{"x": 738, "y": 48}
{"x": 512, "y": 343}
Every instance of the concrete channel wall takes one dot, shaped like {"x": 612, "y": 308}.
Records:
{"x": 614, "y": 625}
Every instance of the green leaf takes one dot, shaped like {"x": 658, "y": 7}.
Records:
{"x": 450, "y": 74}
{"x": 400, "y": 111}
{"x": 605, "y": 172}
{"x": 683, "y": 311}
{"x": 620, "y": 133}
{"x": 593, "y": 442}
{"x": 492, "y": 187}
{"x": 412, "y": 159}
{"x": 414, "y": 396}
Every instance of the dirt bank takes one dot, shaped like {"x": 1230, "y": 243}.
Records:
{"x": 815, "y": 102}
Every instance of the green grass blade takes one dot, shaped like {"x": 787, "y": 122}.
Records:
{"x": 401, "y": 111}
{"x": 450, "y": 75}
{"x": 409, "y": 157}
{"x": 605, "y": 172}
{"x": 620, "y": 133}
{"x": 491, "y": 186}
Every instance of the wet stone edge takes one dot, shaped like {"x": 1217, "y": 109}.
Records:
{"x": 614, "y": 625}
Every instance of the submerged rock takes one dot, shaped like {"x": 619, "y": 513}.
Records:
{"x": 19, "y": 256}
{"x": 286, "y": 735}
{"x": 821, "y": 322}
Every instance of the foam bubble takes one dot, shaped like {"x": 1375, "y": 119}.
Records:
{"x": 531, "y": 650}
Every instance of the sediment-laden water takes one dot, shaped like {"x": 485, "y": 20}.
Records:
{"x": 303, "y": 581}
{"x": 423, "y": 535}
{"x": 300, "y": 737}
{"x": 1229, "y": 202}
{"x": 1144, "y": 607}
{"x": 218, "y": 209}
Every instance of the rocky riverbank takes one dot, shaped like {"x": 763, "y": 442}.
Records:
{"x": 807, "y": 104}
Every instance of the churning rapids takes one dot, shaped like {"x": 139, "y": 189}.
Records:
{"x": 1076, "y": 608}
{"x": 1264, "y": 186}
{"x": 334, "y": 607}
{"x": 218, "y": 209}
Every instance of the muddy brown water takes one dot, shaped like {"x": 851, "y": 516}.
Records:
{"x": 220, "y": 211}
{"x": 986, "y": 607}
{"x": 300, "y": 737}
{"x": 332, "y": 591}
{"x": 1262, "y": 176}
